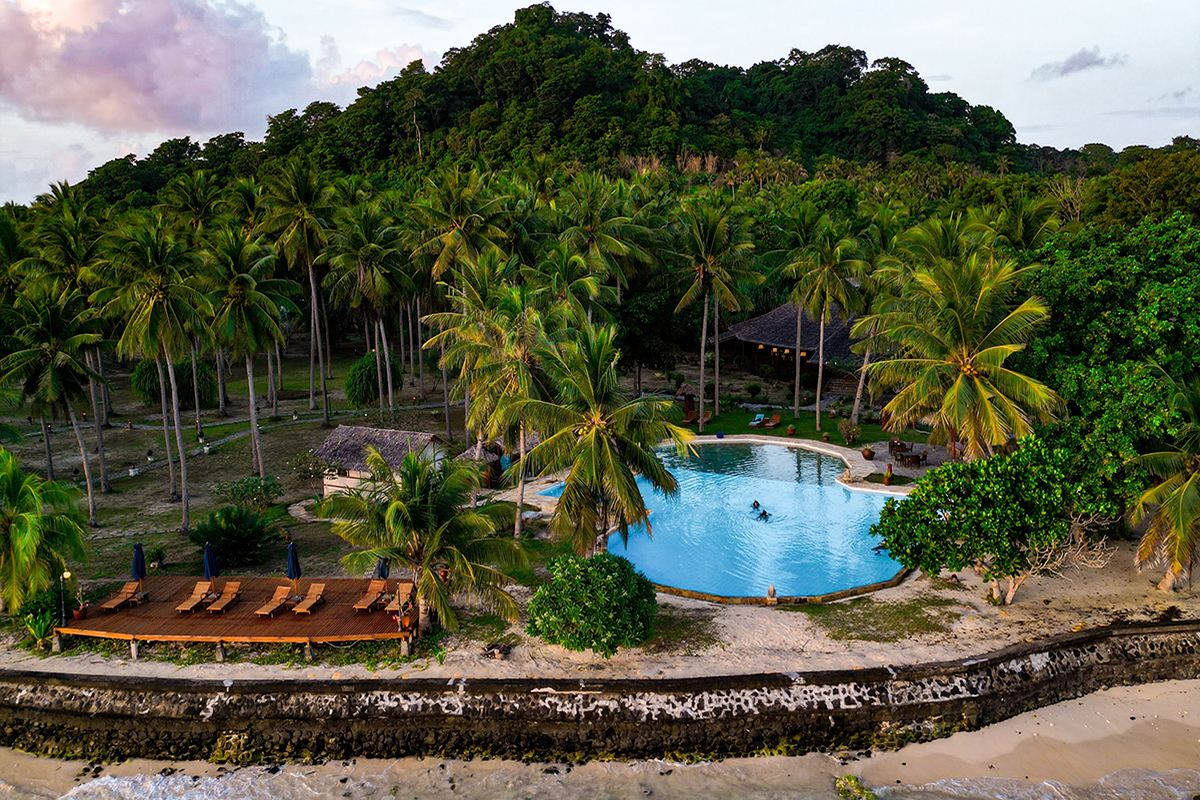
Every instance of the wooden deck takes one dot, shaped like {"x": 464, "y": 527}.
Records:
{"x": 156, "y": 619}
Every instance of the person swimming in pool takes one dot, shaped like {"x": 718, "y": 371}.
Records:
{"x": 754, "y": 505}
{"x": 763, "y": 515}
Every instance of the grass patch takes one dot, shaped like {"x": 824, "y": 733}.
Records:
{"x": 734, "y": 422}
{"x": 682, "y": 631}
{"x": 897, "y": 480}
{"x": 540, "y": 552}
{"x": 872, "y": 620}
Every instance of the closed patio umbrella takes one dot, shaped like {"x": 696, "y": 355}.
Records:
{"x": 381, "y": 569}
{"x": 211, "y": 573}
{"x": 139, "y": 564}
{"x": 293, "y": 567}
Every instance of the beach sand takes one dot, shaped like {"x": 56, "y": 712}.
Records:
{"x": 1147, "y": 737}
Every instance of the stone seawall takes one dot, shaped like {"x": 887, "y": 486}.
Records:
{"x": 263, "y": 721}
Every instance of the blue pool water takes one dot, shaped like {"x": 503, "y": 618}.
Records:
{"x": 707, "y": 538}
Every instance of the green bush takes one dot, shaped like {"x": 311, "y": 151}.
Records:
{"x": 362, "y": 386}
{"x": 50, "y": 601}
{"x": 40, "y": 627}
{"x": 144, "y": 383}
{"x": 752, "y": 390}
{"x": 251, "y": 494}
{"x": 236, "y": 534}
{"x": 849, "y": 431}
{"x": 600, "y": 603}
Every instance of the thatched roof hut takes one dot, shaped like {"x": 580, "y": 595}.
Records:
{"x": 771, "y": 337}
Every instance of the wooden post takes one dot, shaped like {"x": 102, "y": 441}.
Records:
{"x": 133, "y": 649}
{"x": 308, "y": 652}
{"x": 220, "y": 652}
{"x": 56, "y": 644}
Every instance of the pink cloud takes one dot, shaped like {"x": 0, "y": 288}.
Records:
{"x": 147, "y": 65}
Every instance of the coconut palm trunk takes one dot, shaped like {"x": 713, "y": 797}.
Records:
{"x": 104, "y": 395}
{"x": 387, "y": 361}
{"x": 327, "y": 341}
{"x": 796, "y": 350}
{"x": 220, "y": 359}
{"x": 378, "y": 364}
{"x": 316, "y": 303}
{"x": 270, "y": 378}
{"x": 162, "y": 395}
{"x": 413, "y": 347}
{"x": 97, "y": 414}
{"x": 49, "y": 454}
{"x": 446, "y": 396}
{"x": 420, "y": 358}
{"x": 820, "y": 367}
{"x": 519, "y": 524}
{"x": 183, "y": 474}
{"x": 862, "y": 379}
{"x": 196, "y": 393}
{"x": 703, "y": 352}
{"x": 255, "y": 434}
{"x": 87, "y": 469}
{"x": 312, "y": 361}
{"x": 716, "y": 356}
{"x": 278, "y": 368}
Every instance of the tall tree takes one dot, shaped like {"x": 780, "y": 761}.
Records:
{"x": 602, "y": 438}
{"x": 715, "y": 249}
{"x": 299, "y": 206}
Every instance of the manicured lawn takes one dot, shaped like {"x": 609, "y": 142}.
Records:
{"x": 738, "y": 421}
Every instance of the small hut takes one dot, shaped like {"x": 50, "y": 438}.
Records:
{"x": 770, "y": 339}
{"x": 347, "y": 447}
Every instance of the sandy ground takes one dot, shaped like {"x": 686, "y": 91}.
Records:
{"x": 752, "y": 639}
{"x": 1078, "y": 743}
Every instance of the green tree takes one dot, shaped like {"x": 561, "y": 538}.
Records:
{"x": 715, "y": 250}
{"x": 1173, "y": 505}
{"x": 40, "y": 527}
{"x": 603, "y": 440}
{"x": 419, "y": 514}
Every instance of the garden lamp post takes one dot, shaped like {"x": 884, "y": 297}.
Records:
{"x": 62, "y": 596}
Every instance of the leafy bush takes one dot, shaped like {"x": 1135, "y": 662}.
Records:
{"x": 251, "y": 494}
{"x": 40, "y": 627}
{"x": 678, "y": 379}
{"x": 157, "y": 555}
{"x": 600, "y": 603}
{"x": 849, "y": 431}
{"x": 51, "y": 601}
{"x": 362, "y": 386}
{"x": 144, "y": 383}
{"x": 236, "y": 534}
{"x": 752, "y": 390}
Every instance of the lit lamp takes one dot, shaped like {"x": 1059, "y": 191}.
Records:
{"x": 62, "y": 594}
{"x": 760, "y": 347}
{"x": 149, "y": 456}
{"x": 787, "y": 351}
{"x": 295, "y": 416}
{"x": 774, "y": 349}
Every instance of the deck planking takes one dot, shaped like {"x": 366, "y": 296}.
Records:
{"x": 156, "y": 619}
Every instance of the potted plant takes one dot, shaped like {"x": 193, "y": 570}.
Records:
{"x": 868, "y": 453}
{"x": 81, "y": 608}
{"x": 791, "y": 430}
{"x": 824, "y": 437}
{"x": 887, "y": 476}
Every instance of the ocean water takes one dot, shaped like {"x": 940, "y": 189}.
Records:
{"x": 709, "y": 538}
{"x": 808, "y": 778}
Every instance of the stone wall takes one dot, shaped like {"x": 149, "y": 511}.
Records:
{"x": 116, "y": 717}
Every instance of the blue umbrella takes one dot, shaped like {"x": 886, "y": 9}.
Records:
{"x": 293, "y": 565}
{"x": 139, "y": 562}
{"x": 381, "y": 569}
{"x": 211, "y": 573}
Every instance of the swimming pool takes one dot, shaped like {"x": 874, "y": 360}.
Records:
{"x": 708, "y": 537}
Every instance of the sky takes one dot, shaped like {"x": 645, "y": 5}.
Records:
{"x": 84, "y": 81}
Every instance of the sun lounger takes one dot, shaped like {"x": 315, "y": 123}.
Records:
{"x": 690, "y": 417}
{"x": 276, "y": 601}
{"x": 375, "y": 594}
{"x": 229, "y": 595}
{"x": 316, "y": 595}
{"x": 774, "y": 423}
{"x": 201, "y": 593}
{"x": 758, "y": 420}
{"x": 128, "y": 594}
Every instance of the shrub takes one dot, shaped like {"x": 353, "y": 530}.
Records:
{"x": 600, "y": 603}
{"x": 752, "y": 390}
{"x": 40, "y": 627}
{"x": 144, "y": 383}
{"x": 849, "y": 431}
{"x": 236, "y": 534}
{"x": 157, "y": 555}
{"x": 362, "y": 384}
{"x": 251, "y": 494}
{"x": 678, "y": 379}
{"x": 50, "y": 601}
{"x": 311, "y": 468}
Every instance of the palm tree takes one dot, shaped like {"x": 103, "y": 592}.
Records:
{"x": 603, "y": 439}
{"x": 595, "y": 227}
{"x": 152, "y": 293}
{"x": 1173, "y": 505}
{"x": 953, "y": 327}
{"x": 715, "y": 248}
{"x": 571, "y": 287}
{"x": 52, "y": 340}
{"x": 365, "y": 261}
{"x": 247, "y": 304}
{"x": 797, "y": 228}
{"x": 419, "y": 514}
{"x": 825, "y": 276}
{"x": 457, "y": 220}
{"x": 193, "y": 200}
{"x": 40, "y": 527}
{"x": 298, "y": 210}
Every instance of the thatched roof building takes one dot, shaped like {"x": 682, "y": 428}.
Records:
{"x": 771, "y": 337}
{"x": 347, "y": 448}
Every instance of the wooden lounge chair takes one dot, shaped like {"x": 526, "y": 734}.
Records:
{"x": 774, "y": 423}
{"x": 127, "y": 594}
{"x": 229, "y": 596}
{"x": 375, "y": 594}
{"x": 316, "y": 595}
{"x": 201, "y": 593}
{"x": 282, "y": 596}
{"x": 690, "y": 417}
{"x": 758, "y": 421}
{"x": 707, "y": 417}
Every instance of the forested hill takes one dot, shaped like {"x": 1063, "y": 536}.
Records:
{"x": 573, "y": 87}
